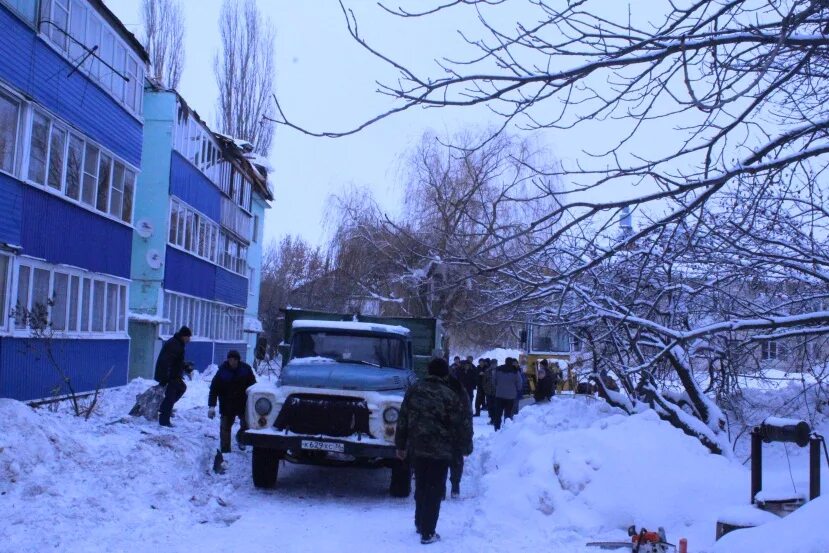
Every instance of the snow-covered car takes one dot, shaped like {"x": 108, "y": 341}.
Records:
{"x": 336, "y": 402}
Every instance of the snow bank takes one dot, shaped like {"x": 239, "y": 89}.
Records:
{"x": 579, "y": 469}
{"x": 803, "y": 531}
{"x": 118, "y": 478}
{"x": 498, "y": 353}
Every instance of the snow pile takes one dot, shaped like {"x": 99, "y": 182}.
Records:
{"x": 64, "y": 480}
{"x": 803, "y": 531}
{"x": 500, "y": 354}
{"x": 577, "y": 470}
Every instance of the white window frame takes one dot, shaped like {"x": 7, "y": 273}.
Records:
{"x": 56, "y": 36}
{"x": 122, "y": 287}
{"x": 23, "y": 153}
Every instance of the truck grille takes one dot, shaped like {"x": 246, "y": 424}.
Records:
{"x": 324, "y": 415}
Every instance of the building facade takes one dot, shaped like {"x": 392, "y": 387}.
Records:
{"x": 70, "y": 153}
{"x": 195, "y": 252}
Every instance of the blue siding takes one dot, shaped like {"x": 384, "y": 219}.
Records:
{"x": 231, "y": 288}
{"x": 62, "y": 232}
{"x": 190, "y": 275}
{"x": 34, "y": 68}
{"x": 25, "y": 372}
{"x": 11, "y": 210}
{"x": 221, "y": 350}
{"x": 190, "y": 184}
{"x": 200, "y": 353}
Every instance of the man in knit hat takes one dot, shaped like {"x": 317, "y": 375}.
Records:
{"x": 433, "y": 427}
{"x": 169, "y": 371}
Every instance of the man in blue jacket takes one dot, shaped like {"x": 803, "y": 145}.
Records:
{"x": 230, "y": 386}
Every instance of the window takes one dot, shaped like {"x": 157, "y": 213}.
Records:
{"x": 770, "y": 350}
{"x": 60, "y": 290}
{"x": 57, "y": 147}
{"x": 39, "y": 148}
{"x": 116, "y": 204}
{"x": 73, "y": 167}
{"x": 24, "y": 274}
{"x": 107, "y": 55}
{"x": 4, "y": 287}
{"x": 39, "y": 305}
{"x": 59, "y": 23}
{"x": 77, "y": 30}
{"x": 192, "y": 231}
{"x": 74, "y": 298}
{"x": 90, "y": 175}
{"x": 251, "y": 275}
{"x": 104, "y": 170}
{"x": 86, "y": 304}
{"x": 207, "y": 319}
{"x": 118, "y": 70}
{"x": 255, "y": 233}
{"x": 93, "y": 39}
{"x": 9, "y": 119}
{"x": 128, "y": 194}
{"x": 68, "y": 301}
{"x": 112, "y": 307}
{"x": 26, "y": 9}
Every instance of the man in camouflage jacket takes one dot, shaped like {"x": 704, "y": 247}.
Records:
{"x": 433, "y": 427}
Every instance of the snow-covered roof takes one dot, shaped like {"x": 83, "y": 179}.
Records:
{"x": 147, "y": 318}
{"x": 349, "y": 325}
{"x": 252, "y": 324}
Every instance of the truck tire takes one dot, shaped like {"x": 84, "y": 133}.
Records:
{"x": 401, "y": 479}
{"x": 265, "y": 467}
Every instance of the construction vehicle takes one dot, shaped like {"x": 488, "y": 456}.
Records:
{"x": 560, "y": 347}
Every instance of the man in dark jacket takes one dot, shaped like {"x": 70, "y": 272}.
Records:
{"x": 169, "y": 371}
{"x": 229, "y": 386}
{"x": 480, "y": 390}
{"x": 456, "y": 466}
{"x": 431, "y": 428}
{"x": 508, "y": 387}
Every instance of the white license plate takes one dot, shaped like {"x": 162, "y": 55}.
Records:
{"x": 323, "y": 446}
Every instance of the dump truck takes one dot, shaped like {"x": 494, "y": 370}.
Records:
{"x": 337, "y": 399}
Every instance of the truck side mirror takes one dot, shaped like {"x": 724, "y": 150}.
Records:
{"x": 523, "y": 337}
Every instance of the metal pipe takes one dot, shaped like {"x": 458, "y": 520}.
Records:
{"x": 756, "y": 463}
{"x": 814, "y": 466}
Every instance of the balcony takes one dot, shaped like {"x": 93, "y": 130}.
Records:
{"x": 236, "y": 220}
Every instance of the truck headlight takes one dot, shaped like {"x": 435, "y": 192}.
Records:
{"x": 263, "y": 406}
{"x": 391, "y": 414}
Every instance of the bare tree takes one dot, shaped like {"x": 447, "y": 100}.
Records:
{"x": 164, "y": 39}
{"x": 714, "y": 110}
{"x": 286, "y": 265}
{"x": 245, "y": 73}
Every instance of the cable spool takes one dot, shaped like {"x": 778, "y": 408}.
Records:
{"x": 775, "y": 429}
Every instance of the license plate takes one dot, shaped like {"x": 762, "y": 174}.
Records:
{"x": 323, "y": 446}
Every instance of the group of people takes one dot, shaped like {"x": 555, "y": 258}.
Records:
{"x": 227, "y": 388}
{"x": 499, "y": 388}
{"x": 434, "y": 426}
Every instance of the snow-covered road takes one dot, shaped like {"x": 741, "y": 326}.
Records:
{"x": 561, "y": 475}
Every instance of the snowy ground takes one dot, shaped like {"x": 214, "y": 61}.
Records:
{"x": 562, "y": 474}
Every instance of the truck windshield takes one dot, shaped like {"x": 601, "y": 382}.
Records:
{"x": 384, "y": 351}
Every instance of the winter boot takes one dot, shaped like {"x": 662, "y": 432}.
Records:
{"x": 433, "y": 538}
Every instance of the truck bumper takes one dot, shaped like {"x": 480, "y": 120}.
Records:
{"x": 284, "y": 443}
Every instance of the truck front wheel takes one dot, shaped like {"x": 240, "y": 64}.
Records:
{"x": 401, "y": 479}
{"x": 265, "y": 467}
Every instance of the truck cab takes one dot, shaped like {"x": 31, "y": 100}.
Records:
{"x": 336, "y": 401}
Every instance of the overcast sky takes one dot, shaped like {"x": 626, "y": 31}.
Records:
{"x": 325, "y": 81}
